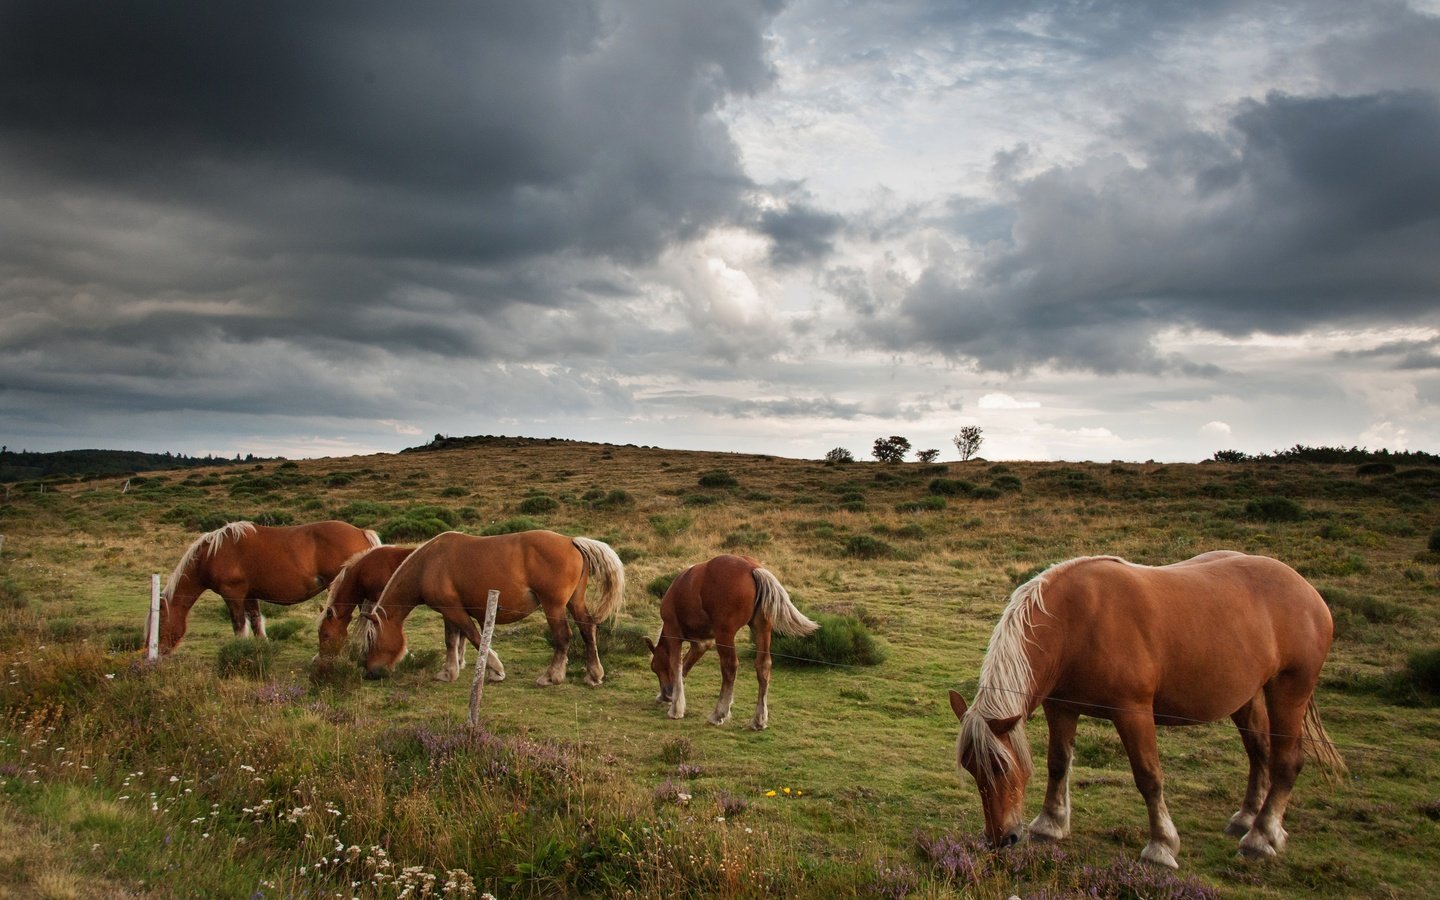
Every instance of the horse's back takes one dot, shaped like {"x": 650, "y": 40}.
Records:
{"x": 719, "y": 592}
{"x": 1201, "y": 635}
{"x": 457, "y": 567}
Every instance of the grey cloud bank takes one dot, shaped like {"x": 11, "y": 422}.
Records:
{"x": 329, "y": 228}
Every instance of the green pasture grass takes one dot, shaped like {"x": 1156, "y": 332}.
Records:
{"x": 572, "y": 790}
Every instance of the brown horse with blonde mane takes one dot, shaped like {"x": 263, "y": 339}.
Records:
{"x": 245, "y": 563}
{"x": 359, "y": 585}
{"x": 1220, "y": 635}
{"x": 453, "y": 574}
{"x": 706, "y": 605}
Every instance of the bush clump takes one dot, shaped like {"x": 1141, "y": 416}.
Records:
{"x": 608, "y": 499}
{"x": 951, "y": 487}
{"x": 924, "y": 504}
{"x": 840, "y": 640}
{"x": 511, "y": 526}
{"x": 1375, "y": 468}
{"x": 418, "y": 523}
{"x": 1006, "y": 483}
{"x": 718, "y": 479}
{"x": 1434, "y": 544}
{"x": 540, "y": 503}
{"x": 245, "y": 658}
{"x": 660, "y": 584}
{"x": 1423, "y": 670}
{"x": 1274, "y": 509}
{"x": 274, "y": 517}
{"x": 863, "y": 546}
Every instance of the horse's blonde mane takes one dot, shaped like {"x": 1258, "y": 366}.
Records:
{"x": 1006, "y": 679}
{"x": 207, "y": 543}
{"x": 340, "y": 580}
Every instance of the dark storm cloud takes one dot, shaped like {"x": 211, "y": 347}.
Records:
{"x": 333, "y": 156}
{"x": 799, "y": 234}
{"x": 1311, "y": 211}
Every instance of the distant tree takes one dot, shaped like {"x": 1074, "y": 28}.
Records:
{"x": 927, "y": 456}
{"x": 839, "y": 455}
{"x": 1229, "y": 456}
{"x": 891, "y": 449}
{"x": 968, "y": 441}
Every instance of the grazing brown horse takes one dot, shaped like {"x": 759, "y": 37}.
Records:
{"x": 1223, "y": 634}
{"x": 453, "y": 574}
{"x": 245, "y": 563}
{"x": 706, "y": 605}
{"x": 360, "y": 584}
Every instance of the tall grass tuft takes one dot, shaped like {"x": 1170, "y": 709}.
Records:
{"x": 1274, "y": 509}
{"x": 245, "y": 658}
{"x": 840, "y": 640}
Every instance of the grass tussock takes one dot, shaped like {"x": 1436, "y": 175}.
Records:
{"x": 840, "y": 641}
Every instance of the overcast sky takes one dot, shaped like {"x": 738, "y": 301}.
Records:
{"x": 1097, "y": 230}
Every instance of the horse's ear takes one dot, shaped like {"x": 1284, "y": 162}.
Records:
{"x": 651, "y": 644}
{"x": 1002, "y": 727}
{"x": 957, "y": 703}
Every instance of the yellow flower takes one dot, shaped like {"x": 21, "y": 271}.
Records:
{"x": 787, "y": 790}
{"x": 798, "y": 792}
{"x": 769, "y": 793}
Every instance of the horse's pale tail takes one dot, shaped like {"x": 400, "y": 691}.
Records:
{"x": 1318, "y": 746}
{"x": 373, "y": 537}
{"x": 609, "y": 574}
{"x": 773, "y": 601}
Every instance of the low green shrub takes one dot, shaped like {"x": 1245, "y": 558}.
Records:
{"x": 274, "y": 517}
{"x": 540, "y": 503}
{"x": 1006, "y": 483}
{"x": 454, "y": 490}
{"x": 840, "y": 640}
{"x": 951, "y": 487}
{"x": 660, "y": 584}
{"x": 1375, "y": 468}
{"x": 699, "y": 500}
{"x": 284, "y": 630}
{"x": 1274, "y": 509}
{"x": 718, "y": 479}
{"x": 11, "y": 597}
{"x": 1423, "y": 670}
{"x": 417, "y": 523}
{"x": 245, "y": 658}
{"x": 745, "y": 538}
{"x": 924, "y": 504}
{"x": 863, "y": 546}
{"x": 512, "y": 526}
{"x": 670, "y": 526}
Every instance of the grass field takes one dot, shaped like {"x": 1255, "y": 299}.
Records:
{"x": 249, "y": 770}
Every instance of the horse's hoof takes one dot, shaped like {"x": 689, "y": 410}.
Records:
{"x": 1159, "y": 855}
{"x": 1046, "y": 829}
{"x": 491, "y": 677}
{"x": 1239, "y": 824}
{"x": 444, "y": 676}
{"x": 756, "y": 725}
{"x": 717, "y": 720}
{"x": 1254, "y": 846}
{"x": 593, "y": 682}
{"x": 674, "y": 715}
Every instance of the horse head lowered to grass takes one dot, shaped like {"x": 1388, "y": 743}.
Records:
{"x": 359, "y": 585}
{"x": 1220, "y": 635}
{"x": 453, "y": 573}
{"x": 245, "y": 563}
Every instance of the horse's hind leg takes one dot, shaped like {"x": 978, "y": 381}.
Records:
{"x": 594, "y": 672}
{"x": 1053, "y": 823}
{"x": 254, "y": 618}
{"x": 761, "y": 637}
{"x": 729, "y": 665}
{"x": 677, "y": 675}
{"x": 555, "y": 615}
{"x": 1254, "y": 724}
{"x": 239, "y": 619}
{"x": 1285, "y": 698}
{"x": 1137, "y": 733}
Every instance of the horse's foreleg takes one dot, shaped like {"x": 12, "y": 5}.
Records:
{"x": 677, "y": 676}
{"x": 561, "y": 630}
{"x": 1286, "y": 704}
{"x": 1053, "y": 823}
{"x": 729, "y": 665}
{"x": 761, "y": 637}
{"x": 1137, "y": 733}
{"x": 454, "y": 653}
{"x": 1254, "y": 724}
{"x": 239, "y": 619}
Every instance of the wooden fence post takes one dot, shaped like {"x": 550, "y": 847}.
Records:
{"x": 152, "y": 624}
{"x": 482, "y": 661}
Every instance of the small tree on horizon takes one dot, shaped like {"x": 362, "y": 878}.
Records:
{"x": 891, "y": 449}
{"x": 839, "y": 455}
{"x": 968, "y": 441}
{"x": 927, "y": 456}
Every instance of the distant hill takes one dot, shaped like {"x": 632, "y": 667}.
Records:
{"x": 26, "y": 466}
